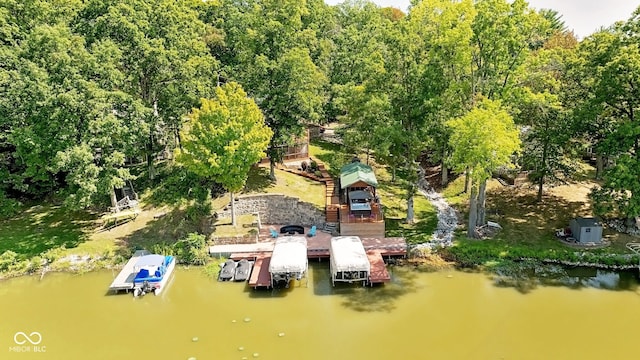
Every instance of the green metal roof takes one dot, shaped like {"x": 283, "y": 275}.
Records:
{"x": 357, "y": 171}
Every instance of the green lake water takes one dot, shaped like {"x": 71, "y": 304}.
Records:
{"x": 440, "y": 315}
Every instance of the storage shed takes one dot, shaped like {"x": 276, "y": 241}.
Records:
{"x": 586, "y": 230}
{"x": 288, "y": 260}
{"x": 349, "y": 261}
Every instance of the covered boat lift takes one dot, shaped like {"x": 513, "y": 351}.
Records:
{"x": 349, "y": 261}
{"x": 289, "y": 260}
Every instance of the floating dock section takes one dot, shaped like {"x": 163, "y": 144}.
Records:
{"x": 349, "y": 261}
{"x": 124, "y": 280}
{"x": 260, "y": 277}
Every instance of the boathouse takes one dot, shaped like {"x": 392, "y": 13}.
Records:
{"x": 349, "y": 261}
{"x": 288, "y": 260}
{"x": 586, "y": 230}
{"x": 360, "y": 209}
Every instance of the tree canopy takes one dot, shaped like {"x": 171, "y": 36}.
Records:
{"x": 93, "y": 89}
{"x": 224, "y": 137}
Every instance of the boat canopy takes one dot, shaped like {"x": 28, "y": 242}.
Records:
{"x": 289, "y": 255}
{"x": 150, "y": 260}
{"x": 347, "y": 254}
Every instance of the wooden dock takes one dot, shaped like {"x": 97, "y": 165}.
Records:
{"x": 260, "y": 276}
{"x": 124, "y": 280}
{"x": 379, "y": 273}
{"x": 377, "y": 249}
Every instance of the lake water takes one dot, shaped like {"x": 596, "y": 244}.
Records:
{"x": 440, "y": 315}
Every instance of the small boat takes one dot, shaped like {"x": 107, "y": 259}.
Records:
{"x": 228, "y": 271}
{"x": 152, "y": 273}
{"x": 243, "y": 270}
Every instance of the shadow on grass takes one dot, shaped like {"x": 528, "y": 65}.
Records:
{"x": 526, "y": 221}
{"x": 164, "y": 231}
{"x": 333, "y": 156}
{"x": 43, "y": 227}
{"x": 177, "y": 186}
{"x": 258, "y": 180}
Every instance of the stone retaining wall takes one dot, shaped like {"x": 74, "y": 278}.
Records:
{"x": 232, "y": 240}
{"x": 277, "y": 209}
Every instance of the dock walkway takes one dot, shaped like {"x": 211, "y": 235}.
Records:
{"x": 260, "y": 276}
{"x": 379, "y": 273}
{"x": 377, "y": 249}
{"x": 124, "y": 280}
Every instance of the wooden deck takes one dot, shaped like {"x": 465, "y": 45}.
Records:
{"x": 379, "y": 273}
{"x": 124, "y": 280}
{"x": 377, "y": 248}
{"x": 260, "y": 276}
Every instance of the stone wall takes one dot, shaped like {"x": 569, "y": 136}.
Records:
{"x": 277, "y": 209}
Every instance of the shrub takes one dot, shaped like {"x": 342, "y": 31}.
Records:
{"x": 8, "y": 260}
{"x": 313, "y": 166}
{"x": 192, "y": 249}
{"x": 35, "y": 264}
{"x": 8, "y": 207}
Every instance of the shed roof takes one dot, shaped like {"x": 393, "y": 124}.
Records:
{"x": 357, "y": 171}
{"x": 587, "y": 222}
{"x": 347, "y": 254}
{"x": 289, "y": 255}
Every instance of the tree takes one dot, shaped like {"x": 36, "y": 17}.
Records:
{"x": 224, "y": 138}
{"x": 503, "y": 35}
{"x": 482, "y": 140}
{"x": 610, "y": 98}
{"x": 269, "y": 42}
{"x": 548, "y": 127}
{"x": 444, "y": 31}
{"x": 162, "y": 60}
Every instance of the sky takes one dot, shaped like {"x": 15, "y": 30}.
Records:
{"x": 584, "y": 17}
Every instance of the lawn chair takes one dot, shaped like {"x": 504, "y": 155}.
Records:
{"x": 274, "y": 233}
{"x": 312, "y": 232}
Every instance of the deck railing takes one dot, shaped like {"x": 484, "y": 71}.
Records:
{"x": 347, "y": 217}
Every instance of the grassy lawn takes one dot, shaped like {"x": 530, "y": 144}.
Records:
{"x": 392, "y": 195}
{"x": 528, "y": 225}
{"x": 40, "y": 228}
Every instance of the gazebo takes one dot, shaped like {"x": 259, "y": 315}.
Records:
{"x": 358, "y": 184}
{"x": 361, "y": 212}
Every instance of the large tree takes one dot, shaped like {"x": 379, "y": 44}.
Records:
{"x": 612, "y": 97}
{"x": 162, "y": 60}
{"x": 224, "y": 138}
{"x": 444, "y": 32}
{"x": 482, "y": 140}
{"x": 270, "y": 47}
{"x": 549, "y": 137}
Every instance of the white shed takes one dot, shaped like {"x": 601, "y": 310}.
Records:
{"x": 349, "y": 261}
{"x": 289, "y": 259}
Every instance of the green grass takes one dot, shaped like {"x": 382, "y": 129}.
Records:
{"x": 287, "y": 183}
{"x": 392, "y": 195}
{"x": 332, "y": 156}
{"x": 528, "y": 226}
{"x": 40, "y": 228}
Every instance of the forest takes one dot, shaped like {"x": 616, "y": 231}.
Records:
{"x": 89, "y": 87}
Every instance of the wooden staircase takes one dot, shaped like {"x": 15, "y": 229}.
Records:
{"x": 332, "y": 200}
